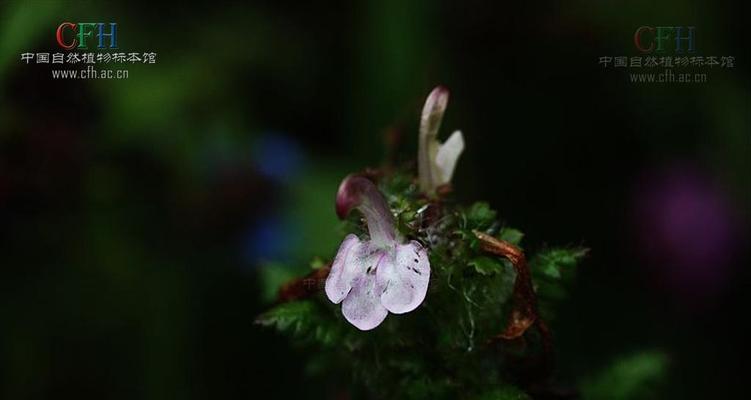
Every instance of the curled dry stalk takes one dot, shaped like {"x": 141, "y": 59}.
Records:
{"x": 524, "y": 311}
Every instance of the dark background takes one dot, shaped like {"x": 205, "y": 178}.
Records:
{"x": 145, "y": 223}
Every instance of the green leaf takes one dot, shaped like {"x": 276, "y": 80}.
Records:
{"x": 303, "y": 320}
{"x": 552, "y": 269}
{"x": 425, "y": 388}
{"x": 480, "y": 215}
{"x": 288, "y": 316}
{"x": 551, "y": 263}
{"x": 506, "y": 392}
{"x": 487, "y": 265}
{"x": 630, "y": 377}
{"x": 511, "y": 235}
{"x": 317, "y": 263}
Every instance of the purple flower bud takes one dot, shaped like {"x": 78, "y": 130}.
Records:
{"x": 436, "y": 161}
{"x": 360, "y": 193}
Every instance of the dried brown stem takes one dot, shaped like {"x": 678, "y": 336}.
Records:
{"x": 524, "y": 312}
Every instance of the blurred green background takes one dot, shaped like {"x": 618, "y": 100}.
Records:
{"x": 144, "y": 222}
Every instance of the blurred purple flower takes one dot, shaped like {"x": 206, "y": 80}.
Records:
{"x": 687, "y": 226}
{"x": 278, "y": 157}
{"x": 268, "y": 239}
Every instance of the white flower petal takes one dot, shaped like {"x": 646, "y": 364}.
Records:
{"x": 447, "y": 155}
{"x": 430, "y": 123}
{"x": 344, "y": 268}
{"x": 404, "y": 276}
{"x": 362, "y": 307}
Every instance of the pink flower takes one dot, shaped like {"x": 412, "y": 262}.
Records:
{"x": 382, "y": 274}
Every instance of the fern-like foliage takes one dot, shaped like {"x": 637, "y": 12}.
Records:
{"x": 449, "y": 346}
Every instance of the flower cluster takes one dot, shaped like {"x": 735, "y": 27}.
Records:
{"x": 384, "y": 273}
